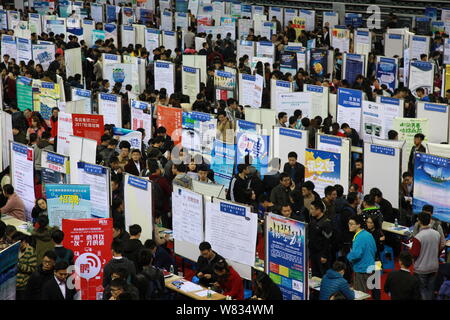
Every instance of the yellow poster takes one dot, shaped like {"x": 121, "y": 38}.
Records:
{"x": 299, "y": 24}
{"x": 447, "y": 78}
{"x": 46, "y": 96}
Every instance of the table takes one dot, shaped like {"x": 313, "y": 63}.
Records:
{"x": 19, "y": 224}
{"x": 402, "y": 230}
{"x": 168, "y": 282}
{"x": 314, "y": 283}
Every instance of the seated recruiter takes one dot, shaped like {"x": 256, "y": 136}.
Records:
{"x": 205, "y": 263}
{"x": 229, "y": 282}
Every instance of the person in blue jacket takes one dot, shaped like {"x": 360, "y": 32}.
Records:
{"x": 333, "y": 282}
{"x": 362, "y": 255}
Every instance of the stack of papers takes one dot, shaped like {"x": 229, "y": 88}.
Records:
{"x": 360, "y": 295}
{"x": 190, "y": 286}
{"x": 203, "y": 293}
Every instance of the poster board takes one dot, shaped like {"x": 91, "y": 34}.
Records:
{"x": 421, "y": 75}
{"x": 323, "y": 169}
{"x": 393, "y": 44}
{"x": 166, "y": 76}
{"x": 319, "y": 99}
{"x": 431, "y": 185}
{"x": 382, "y": 170}
{"x": 438, "y": 116}
{"x": 196, "y": 61}
{"x": 286, "y": 140}
{"x": 338, "y": 145}
{"x": 378, "y": 118}
{"x": 22, "y": 178}
{"x": 171, "y": 119}
{"x": 349, "y": 107}
{"x": 110, "y": 106}
{"x": 138, "y": 203}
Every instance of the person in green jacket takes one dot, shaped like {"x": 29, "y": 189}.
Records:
{"x": 43, "y": 236}
{"x": 26, "y": 264}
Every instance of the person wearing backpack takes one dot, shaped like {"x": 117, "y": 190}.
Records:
{"x": 150, "y": 281}
{"x": 435, "y": 224}
{"x": 62, "y": 254}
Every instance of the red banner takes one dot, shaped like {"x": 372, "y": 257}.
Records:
{"x": 89, "y": 126}
{"x": 171, "y": 119}
{"x": 90, "y": 240}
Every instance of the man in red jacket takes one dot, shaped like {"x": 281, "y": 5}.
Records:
{"x": 229, "y": 281}
{"x": 54, "y": 122}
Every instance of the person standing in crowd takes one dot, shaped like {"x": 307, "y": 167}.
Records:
{"x": 239, "y": 190}
{"x": 320, "y": 232}
{"x": 280, "y": 194}
{"x": 43, "y": 273}
{"x": 26, "y": 264}
{"x": 43, "y": 237}
{"x": 369, "y": 209}
{"x": 132, "y": 246}
{"x": 150, "y": 280}
{"x": 282, "y": 119}
{"x": 117, "y": 261}
{"x": 295, "y": 169}
{"x": 161, "y": 256}
{"x": 56, "y": 288}
{"x": 309, "y": 195}
{"x": 417, "y": 147}
{"x": 351, "y": 133}
{"x": 362, "y": 254}
{"x": 426, "y": 246}
{"x": 62, "y": 253}
{"x": 384, "y": 205}
{"x": 434, "y": 224}
{"x": 400, "y": 284}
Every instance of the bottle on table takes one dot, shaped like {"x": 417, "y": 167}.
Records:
{"x": 172, "y": 270}
{"x": 396, "y": 222}
{"x": 209, "y": 294}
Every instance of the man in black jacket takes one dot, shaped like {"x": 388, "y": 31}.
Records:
{"x": 56, "y": 288}
{"x": 417, "y": 147}
{"x": 351, "y": 133}
{"x": 400, "y": 284}
{"x": 150, "y": 281}
{"x": 62, "y": 253}
{"x": 43, "y": 274}
{"x": 205, "y": 264}
{"x": 295, "y": 169}
{"x": 239, "y": 190}
{"x": 117, "y": 261}
{"x": 132, "y": 246}
{"x": 280, "y": 194}
{"x": 161, "y": 257}
{"x": 320, "y": 231}
{"x": 348, "y": 210}
{"x": 385, "y": 205}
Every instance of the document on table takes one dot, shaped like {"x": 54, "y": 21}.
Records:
{"x": 203, "y": 293}
{"x": 190, "y": 286}
{"x": 359, "y": 295}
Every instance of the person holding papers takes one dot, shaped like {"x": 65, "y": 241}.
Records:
{"x": 14, "y": 205}
{"x": 229, "y": 281}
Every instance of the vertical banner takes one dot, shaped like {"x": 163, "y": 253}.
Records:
{"x": 349, "y": 107}
{"x": 46, "y": 95}
{"x": 85, "y": 95}
{"x": 127, "y": 35}
{"x": 286, "y": 256}
{"x": 330, "y": 19}
{"x": 72, "y": 58}
{"x": 378, "y": 119}
{"x": 110, "y": 106}
{"x": 141, "y": 116}
{"x": 432, "y": 185}
{"x": 421, "y": 75}
{"x": 65, "y": 130}
{"x": 111, "y": 32}
{"x": 169, "y": 40}
{"x": 54, "y": 168}
{"x": 166, "y": 76}
{"x": 9, "y": 46}
{"x": 111, "y": 13}
{"x": 257, "y": 147}
{"x": 66, "y": 201}
{"x": 310, "y": 18}
{"x": 232, "y": 230}
{"x": 387, "y": 72}
{"x": 24, "y": 93}
{"x": 139, "y": 204}
{"x": 318, "y": 64}
{"x": 167, "y": 20}
{"x": 190, "y": 78}
{"x": 323, "y": 168}
{"x": 127, "y": 16}
{"x": 319, "y": 99}
{"x": 245, "y": 48}
{"x": 98, "y": 178}
{"x": 299, "y": 25}
{"x": 22, "y": 168}
{"x": 222, "y": 163}
{"x": 419, "y": 45}
{"x": 289, "y": 15}
{"x": 151, "y": 41}
{"x": 43, "y": 54}
{"x": 340, "y": 39}
{"x": 23, "y": 50}
{"x": 353, "y": 66}
{"x": 187, "y": 215}
{"x": 225, "y": 83}
{"x": 97, "y": 12}
{"x": 90, "y": 240}
{"x": 277, "y": 87}
{"x": 363, "y": 42}
{"x": 198, "y": 132}
{"x": 171, "y": 119}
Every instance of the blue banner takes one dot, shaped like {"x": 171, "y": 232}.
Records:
{"x": 222, "y": 163}
{"x": 286, "y": 256}
{"x": 138, "y": 182}
{"x": 255, "y": 145}
{"x": 318, "y": 63}
{"x": 65, "y": 201}
{"x": 354, "y": 66}
{"x": 387, "y": 72}
{"x": 432, "y": 185}
{"x": 111, "y": 14}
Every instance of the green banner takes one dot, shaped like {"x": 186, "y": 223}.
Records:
{"x": 24, "y": 93}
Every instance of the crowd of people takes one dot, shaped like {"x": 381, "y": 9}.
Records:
{"x": 345, "y": 236}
